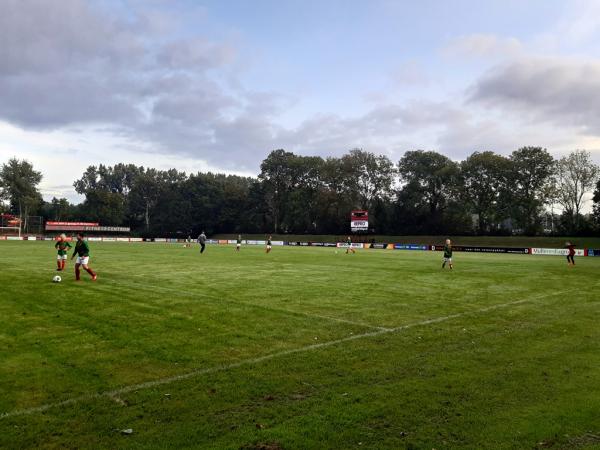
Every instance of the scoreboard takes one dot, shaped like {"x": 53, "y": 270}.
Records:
{"x": 359, "y": 220}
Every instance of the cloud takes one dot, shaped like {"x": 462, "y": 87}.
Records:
{"x": 562, "y": 91}
{"x": 67, "y": 63}
{"x": 142, "y": 83}
{"x": 410, "y": 73}
{"x": 194, "y": 53}
{"x": 487, "y": 46}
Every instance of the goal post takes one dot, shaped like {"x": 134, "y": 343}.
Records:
{"x": 10, "y": 225}
{"x": 10, "y": 231}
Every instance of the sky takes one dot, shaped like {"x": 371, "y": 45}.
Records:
{"x": 217, "y": 85}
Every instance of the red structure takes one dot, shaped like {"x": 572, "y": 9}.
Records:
{"x": 359, "y": 220}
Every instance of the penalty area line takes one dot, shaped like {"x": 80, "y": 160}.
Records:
{"x": 214, "y": 300}
{"x": 116, "y": 393}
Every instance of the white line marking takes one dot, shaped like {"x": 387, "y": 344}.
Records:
{"x": 182, "y": 293}
{"x": 150, "y": 384}
{"x": 234, "y": 302}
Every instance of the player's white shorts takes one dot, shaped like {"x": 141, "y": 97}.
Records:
{"x": 61, "y": 257}
{"x": 268, "y": 247}
{"x": 448, "y": 260}
{"x": 238, "y": 245}
{"x": 83, "y": 260}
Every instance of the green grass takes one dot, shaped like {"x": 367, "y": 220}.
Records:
{"x": 491, "y": 241}
{"x": 299, "y": 349}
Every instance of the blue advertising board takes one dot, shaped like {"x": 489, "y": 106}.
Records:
{"x": 411, "y": 247}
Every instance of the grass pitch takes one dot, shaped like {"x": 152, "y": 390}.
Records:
{"x": 301, "y": 348}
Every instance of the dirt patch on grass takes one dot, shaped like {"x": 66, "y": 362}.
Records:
{"x": 262, "y": 446}
{"x": 583, "y": 441}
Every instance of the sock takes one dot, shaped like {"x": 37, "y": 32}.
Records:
{"x": 77, "y": 273}
{"x": 59, "y": 264}
{"x": 90, "y": 271}
{"x": 63, "y": 264}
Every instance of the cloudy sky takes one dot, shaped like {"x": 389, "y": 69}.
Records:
{"x": 216, "y": 85}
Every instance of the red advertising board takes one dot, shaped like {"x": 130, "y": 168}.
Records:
{"x": 359, "y": 220}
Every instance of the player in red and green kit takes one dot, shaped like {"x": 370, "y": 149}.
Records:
{"x": 448, "y": 254}
{"x": 269, "y": 244}
{"x": 82, "y": 251}
{"x": 63, "y": 246}
{"x": 349, "y": 246}
{"x": 571, "y": 253}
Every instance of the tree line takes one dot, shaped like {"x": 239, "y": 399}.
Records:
{"x": 425, "y": 192}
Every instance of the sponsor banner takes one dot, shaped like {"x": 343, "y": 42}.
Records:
{"x": 410, "y": 247}
{"x": 109, "y": 239}
{"x": 312, "y": 244}
{"x": 160, "y": 240}
{"x": 232, "y": 241}
{"x": 223, "y": 241}
{"x": 210, "y": 241}
{"x": 2, "y": 238}
{"x": 474, "y": 249}
{"x": 117, "y": 229}
{"x": 359, "y": 225}
{"x": 122, "y": 239}
{"x": 353, "y": 245}
{"x": 254, "y": 242}
{"x": 136, "y": 240}
{"x": 94, "y": 238}
{"x": 276, "y": 243}
{"x": 31, "y": 238}
{"x": 379, "y": 246}
{"x": 593, "y": 252}
{"x": 14, "y": 238}
{"x": 556, "y": 251}
{"x": 86, "y": 228}
{"x": 390, "y": 246}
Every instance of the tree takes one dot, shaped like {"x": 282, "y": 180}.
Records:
{"x": 431, "y": 181}
{"x": 106, "y": 191}
{"x": 484, "y": 179}
{"x": 59, "y": 209}
{"x": 596, "y": 210}
{"x": 276, "y": 175}
{"x": 18, "y": 182}
{"x": 290, "y": 185}
{"x": 532, "y": 169}
{"x": 368, "y": 177}
{"x": 145, "y": 191}
{"x": 576, "y": 175}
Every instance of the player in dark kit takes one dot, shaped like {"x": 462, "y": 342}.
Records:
{"x": 202, "y": 242}
{"x": 63, "y": 246}
{"x": 82, "y": 251}
{"x": 448, "y": 254}
{"x": 238, "y": 245}
{"x": 571, "y": 254}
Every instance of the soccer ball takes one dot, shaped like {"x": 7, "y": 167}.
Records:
{"x": 56, "y": 279}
